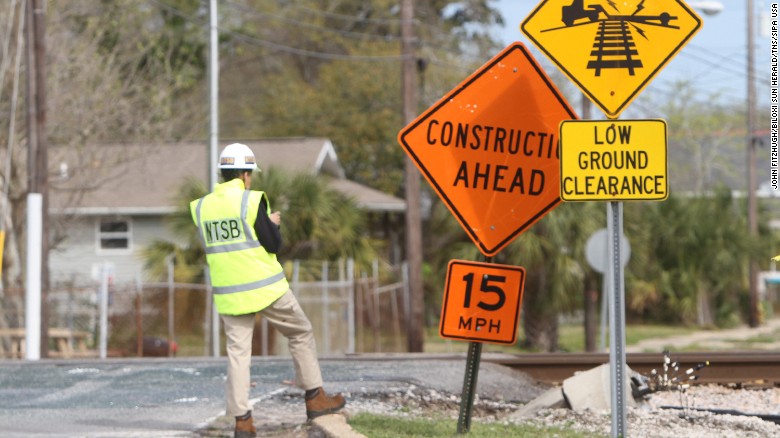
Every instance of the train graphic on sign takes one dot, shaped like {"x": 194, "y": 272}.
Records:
{"x": 613, "y": 45}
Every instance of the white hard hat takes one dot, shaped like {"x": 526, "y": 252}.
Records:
{"x": 237, "y": 156}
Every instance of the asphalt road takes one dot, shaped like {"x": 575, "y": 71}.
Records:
{"x": 108, "y": 398}
{"x": 180, "y": 397}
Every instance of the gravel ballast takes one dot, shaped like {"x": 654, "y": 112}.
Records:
{"x": 649, "y": 419}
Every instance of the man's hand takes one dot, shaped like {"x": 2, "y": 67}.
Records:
{"x": 276, "y": 217}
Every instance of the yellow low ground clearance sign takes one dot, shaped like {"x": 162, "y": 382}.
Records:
{"x": 613, "y": 160}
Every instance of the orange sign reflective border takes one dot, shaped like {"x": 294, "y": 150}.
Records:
{"x": 482, "y": 302}
{"x": 489, "y": 148}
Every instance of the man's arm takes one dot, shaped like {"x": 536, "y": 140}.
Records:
{"x": 267, "y": 231}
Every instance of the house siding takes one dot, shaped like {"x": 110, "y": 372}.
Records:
{"x": 142, "y": 187}
{"x": 77, "y": 260}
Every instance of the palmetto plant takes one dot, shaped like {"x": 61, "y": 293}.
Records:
{"x": 552, "y": 252}
{"x": 694, "y": 252}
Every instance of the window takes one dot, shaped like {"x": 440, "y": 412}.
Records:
{"x": 114, "y": 235}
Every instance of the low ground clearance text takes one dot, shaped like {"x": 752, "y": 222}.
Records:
{"x": 600, "y": 165}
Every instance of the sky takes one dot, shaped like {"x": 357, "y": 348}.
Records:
{"x": 715, "y": 59}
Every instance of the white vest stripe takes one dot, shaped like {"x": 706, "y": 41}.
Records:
{"x": 232, "y": 247}
{"x": 244, "y": 204}
{"x": 249, "y": 286}
{"x": 200, "y": 231}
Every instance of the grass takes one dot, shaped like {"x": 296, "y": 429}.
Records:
{"x": 755, "y": 341}
{"x": 384, "y": 426}
{"x": 636, "y": 333}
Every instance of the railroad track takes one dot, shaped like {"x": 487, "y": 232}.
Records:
{"x": 614, "y": 48}
{"x": 731, "y": 367}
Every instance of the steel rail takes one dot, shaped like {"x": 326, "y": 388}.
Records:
{"x": 725, "y": 367}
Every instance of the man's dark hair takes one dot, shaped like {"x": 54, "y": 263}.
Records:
{"x": 231, "y": 174}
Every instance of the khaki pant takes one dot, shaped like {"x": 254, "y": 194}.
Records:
{"x": 286, "y": 316}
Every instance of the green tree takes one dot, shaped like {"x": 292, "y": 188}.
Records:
{"x": 694, "y": 269}
{"x": 332, "y": 69}
{"x": 552, "y": 252}
{"x": 705, "y": 140}
{"x": 692, "y": 255}
{"x": 117, "y": 72}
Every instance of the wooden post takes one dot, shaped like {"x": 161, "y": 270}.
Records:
{"x": 412, "y": 182}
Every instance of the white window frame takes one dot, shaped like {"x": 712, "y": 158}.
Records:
{"x": 100, "y": 235}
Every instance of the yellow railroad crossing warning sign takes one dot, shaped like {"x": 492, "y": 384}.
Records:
{"x": 613, "y": 160}
{"x": 611, "y": 49}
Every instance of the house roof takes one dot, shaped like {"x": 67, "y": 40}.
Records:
{"x": 143, "y": 179}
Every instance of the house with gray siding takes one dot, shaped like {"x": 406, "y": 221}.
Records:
{"x": 109, "y": 201}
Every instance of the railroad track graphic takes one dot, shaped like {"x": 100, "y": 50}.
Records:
{"x": 614, "y": 48}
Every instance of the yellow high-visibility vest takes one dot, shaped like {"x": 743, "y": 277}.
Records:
{"x": 245, "y": 278}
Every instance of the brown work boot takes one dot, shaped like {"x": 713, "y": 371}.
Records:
{"x": 245, "y": 426}
{"x": 318, "y": 403}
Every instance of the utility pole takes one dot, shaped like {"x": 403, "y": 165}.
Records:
{"x": 412, "y": 184}
{"x": 754, "y": 319}
{"x": 37, "y": 144}
{"x": 213, "y": 144}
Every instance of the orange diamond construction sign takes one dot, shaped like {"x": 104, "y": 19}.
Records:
{"x": 611, "y": 49}
{"x": 489, "y": 148}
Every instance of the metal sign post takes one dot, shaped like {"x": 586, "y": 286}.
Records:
{"x": 481, "y": 303}
{"x": 617, "y": 338}
{"x": 469, "y": 387}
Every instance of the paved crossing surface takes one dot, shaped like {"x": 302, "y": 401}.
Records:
{"x": 182, "y": 397}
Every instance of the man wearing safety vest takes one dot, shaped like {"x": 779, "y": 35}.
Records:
{"x": 241, "y": 238}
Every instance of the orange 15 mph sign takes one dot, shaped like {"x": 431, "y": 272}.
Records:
{"x": 482, "y": 302}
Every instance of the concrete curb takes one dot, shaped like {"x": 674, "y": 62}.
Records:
{"x": 335, "y": 426}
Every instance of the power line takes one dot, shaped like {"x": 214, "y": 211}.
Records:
{"x": 309, "y": 53}
{"x": 351, "y": 18}
{"x": 344, "y": 33}
{"x": 280, "y": 47}
{"x": 724, "y": 57}
{"x": 726, "y": 64}
{"x": 257, "y": 41}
